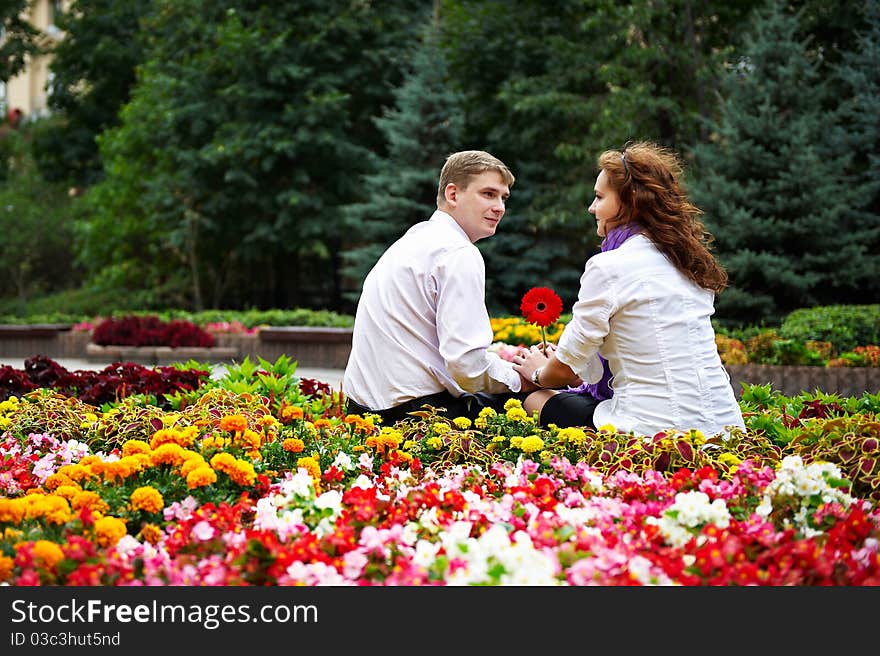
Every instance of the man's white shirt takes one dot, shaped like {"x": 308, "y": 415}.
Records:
{"x": 421, "y": 324}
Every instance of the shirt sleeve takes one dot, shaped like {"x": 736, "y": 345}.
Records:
{"x": 463, "y": 328}
{"x": 581, "y": 339}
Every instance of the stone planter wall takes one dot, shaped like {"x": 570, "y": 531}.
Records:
{"x": 330, "y": 347}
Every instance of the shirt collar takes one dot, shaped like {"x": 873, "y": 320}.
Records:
{"x": 447, "y": 219}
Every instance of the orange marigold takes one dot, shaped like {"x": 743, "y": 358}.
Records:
{"x": 47, "y": 554}
{"x": 293, "y": 445}
{"x": 151, "y": 533}
{"x": 200, "y": 477}
{"x": 135, "y": 446}
{"x": 109, "y": 530}
{"x": 148, "y": 499}
{"x": 233, "y": 423}
{"x": 291, "y": 412}
{"x": 7, "y": 566}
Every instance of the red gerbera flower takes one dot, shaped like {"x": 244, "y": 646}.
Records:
{"x": 541, "y": 306}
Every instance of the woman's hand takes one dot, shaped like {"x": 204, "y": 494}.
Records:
{"x": 526, "y": 361}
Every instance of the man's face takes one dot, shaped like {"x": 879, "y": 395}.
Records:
{"x": 478, "y": 208}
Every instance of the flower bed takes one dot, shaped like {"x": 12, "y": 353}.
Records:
{"x": 253, "y": 479}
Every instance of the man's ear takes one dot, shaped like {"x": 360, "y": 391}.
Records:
{"x": 451, "y": 194}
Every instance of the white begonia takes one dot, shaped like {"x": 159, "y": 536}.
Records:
{"x": 363, "y": 481}
{"x": 331, "y": 500}
{"x": 299, "y": 484}
{"x": 799, "y": 481}
{"x": 689, "y": 512}
{"x": 343, "y": 461}
{"x": 425, "y": 553}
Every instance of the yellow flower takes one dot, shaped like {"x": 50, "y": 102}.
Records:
{"x": 462, "y": 422}
{"x": 47, "y": 554}
{"x": 697, "y": 436}
{"x": 486, "y": 413}
{"x": 200, "y": 477}
{"x": 729, "y": 459}
{"x": 135, "y": 446}
{"x": 573, "y": 435}
{"x": 510, "y": 404}
{"x": 109, "y": 530}
{"x": 531, "y": 444}
{"x": 242, "y": 473}
{"x": 481, "y": 423}
{"x": 191, "y": 464}
{"x": 607, "y": 428}
{"x": 151, "y": 533}
{"x": 434, "y": 442}
{"x": 148, "y": 499}
{"x": 440, "y": 428}
{"x": 516, "y": 413}
{"x": 7, "y": 566}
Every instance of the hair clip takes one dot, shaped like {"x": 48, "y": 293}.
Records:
{"x": 623, "y": 159}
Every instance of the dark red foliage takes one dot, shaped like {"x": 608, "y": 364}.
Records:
{"x": 112, "y": 383}
{"x": 150, "y": 331}
{"x": 312, "y": 387}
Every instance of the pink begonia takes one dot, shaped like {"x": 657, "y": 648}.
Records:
{"x": 203, "y": 531}
{"x": 354, "y": 564}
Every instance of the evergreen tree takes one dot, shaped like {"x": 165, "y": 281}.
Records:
{"x": 859, "y": 74}
{"x": 776, "y": 198}
{"x": 421, "y": 129}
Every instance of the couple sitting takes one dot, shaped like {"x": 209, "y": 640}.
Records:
{"x": 639, "y": 352}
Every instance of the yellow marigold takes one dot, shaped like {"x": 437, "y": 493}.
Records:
{"x": 67, "y": 491}
{"x": 434, "y": 442}
{"x": 191, "y": 464}
{"x": 697, "y": 436}
{"x": 293, "y": 445}
{"x": 499, "y": 438}
{"x": 390, "y": 437}
{"x": 167, "y": 454}
{"x": 481, "y": 423}
{"x": 516, "y": 441}
{"x": 148, "y": 499}
{"x": 729, "y": 459}
{"x": 233, "y": 423}
{"x": 462, "y": 422}
{"x": 151, "y": 533}
{"x": 47, "y": 554}
{"x": 440, "y": 428}
{"x": 403, "y": 455}
{"x": 409, "y": 444}
{"x": 311, "y": 465}
{"x": 7, "y": 566}
{"x": 512, "y": 403}
{"x": 516, "y": 413}
{"x": 531, "y": 443}
{"x": 291, "y": 412}
{"x": 135, "y": 446}
{"x": 214, "y": 442}
{"x": 487, "y": 413}
{"x": 267, "y": 421}
{"x": 200, "y": 477}
{"x": 109, "y": 530}
{"x": 572, "y": 435}
{"x": 163, "y": 436}
{"x": 242, "y": 473}
{"x": 89, "y": 499}
{"x": 74, "y": 472}
{"x": 607, "y": 428}
{"x": 250, "y": 440}
{"x": 12, "y": 511}
{"x": 222, "y": 461}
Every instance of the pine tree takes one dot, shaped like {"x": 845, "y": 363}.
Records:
{"x": 422, "y": 128}
{"x": 775, "y": 195}
{"x": 859, "y": 133}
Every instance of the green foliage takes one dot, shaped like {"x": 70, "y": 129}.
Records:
{"x": 20, "y": 38}
{"x": 424, "y": 125}
{"x": 845, "y": 326}
{"x": 35, "y": 256}
{"x": 269, "y": 109}
{"x": 765, "y": 179}
{"x": 93, "y": 70}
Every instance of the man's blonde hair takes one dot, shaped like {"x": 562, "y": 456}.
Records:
{"x": 462, "y": 167}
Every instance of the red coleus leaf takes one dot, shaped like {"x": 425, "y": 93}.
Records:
{"x": 541, "y": 306}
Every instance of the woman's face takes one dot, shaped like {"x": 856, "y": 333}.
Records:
{"x": 605, "y": 205}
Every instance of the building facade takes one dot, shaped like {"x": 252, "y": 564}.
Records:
{"x": 28, "y": 91}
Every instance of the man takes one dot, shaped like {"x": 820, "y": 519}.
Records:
{"x": 421, "y": 328}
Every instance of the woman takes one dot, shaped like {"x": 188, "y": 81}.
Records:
{"x": 644, "y": 305}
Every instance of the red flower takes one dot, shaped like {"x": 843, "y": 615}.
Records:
{"x": 541, "y": 306}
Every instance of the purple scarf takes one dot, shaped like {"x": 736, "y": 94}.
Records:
{"x": 602, "y": 390}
